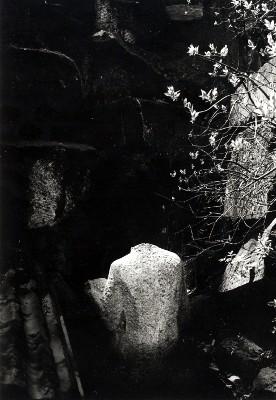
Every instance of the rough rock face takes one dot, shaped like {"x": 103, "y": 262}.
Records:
{"x": 248, "y": 265}
{"x": 244, "y": 268}
{"x": 46, "y": 189}
{"x": 254, "y": 94}
{"x": 143, "y": 301}
{"x": 54, "y": 191}
{"x": 247, "y": 197}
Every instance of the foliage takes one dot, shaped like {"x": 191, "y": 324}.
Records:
{"x": 232, "y": 122}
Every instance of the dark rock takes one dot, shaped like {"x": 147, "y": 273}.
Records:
{"x": 184, "y": 12}
{"x": 54, "y": 177}
{"x": 203, "y": 314}
{"x": 240, "y": 356}
{"x": 11, "y": 331}
{"x": 134, "y": 21}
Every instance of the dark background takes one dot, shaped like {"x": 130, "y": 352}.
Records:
{"x": 94, "y": 107}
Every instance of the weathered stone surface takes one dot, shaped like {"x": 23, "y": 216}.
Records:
{"x": 251, "y": 170}
{"x": 251, "y": 174}
{"x": 244, "y": 268}
{"x": 46, "y": 189}
{"x": 266, "y": 381}
{"x": 53, "y": 194}
{"x": 254, "y": 93}
{"x": 248, "y": 265}
{"x": 143, "y": 301}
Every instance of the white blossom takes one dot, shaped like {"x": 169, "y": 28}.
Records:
{"x": 172, "y": 93}
{"x": 224, "y": 51}
{"x": 229, "y": 257}
{"x": 265, "y": 8}
{"x": 194, "y": 155}
{"x": 238, "y": 144}
{"x": 233, "y": 79}
{"x": 236, "y": 3}
{"x": 251, "y": 45}
{"x": 194, "y": 115}
{"x": 264, "y": 246}
{"x": 247, "y": 5}
{"x": 270, "y": 25}
{"x": 211, "y": 96}
{"x": 193, "y": 50}
{"x": 271, "y": 47}
{"x": 225, "y": 71}
{"x": 212, "y": 139}
{"x": 219, "y": 168}
{"x": 212, "y": 47}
